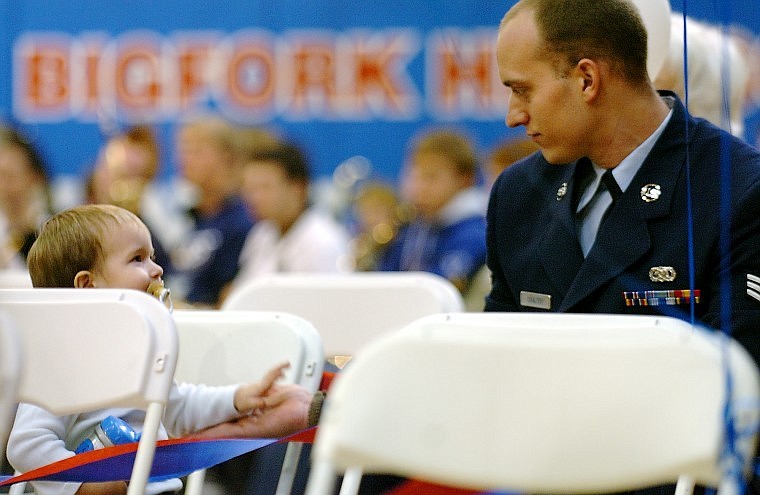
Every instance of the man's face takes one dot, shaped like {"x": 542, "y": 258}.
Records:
{"x": 200, "y": 157}
{"x": 547, "y": 103}
{"x": 268, "y": 192}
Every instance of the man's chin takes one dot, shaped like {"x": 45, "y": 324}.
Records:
{"x": 556, "y": 158}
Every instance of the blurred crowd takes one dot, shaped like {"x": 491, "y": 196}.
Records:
{"x": 245, "y": 202}
{"x": 244, "y": 206}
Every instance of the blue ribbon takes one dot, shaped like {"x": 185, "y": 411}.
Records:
{"x": 173, "y": 459}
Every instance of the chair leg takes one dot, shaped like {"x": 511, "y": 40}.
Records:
{"x": 17, "y": 488}
{"x": 146, "y": 450}
{"x": 194, "y": 485}
{"x": 321, "y": 479}
{"x": 352, "y": 478}
{"x": 685, "y": 485}
{"x": 289, "y": 468}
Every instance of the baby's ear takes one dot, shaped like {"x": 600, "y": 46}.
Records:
{"x": 84, "y": 279}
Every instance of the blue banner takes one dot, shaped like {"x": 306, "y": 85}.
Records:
{"x": 345, "y": 79}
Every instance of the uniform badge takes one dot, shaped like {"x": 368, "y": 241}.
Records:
{"x": 662, "y": 297}
{"x": 753, "y": 286}
{"x": 662, "y": 274}
{"x": 651, "y": 192}
{"x": 562, "y": 191}
{"x": 535, "y": 300}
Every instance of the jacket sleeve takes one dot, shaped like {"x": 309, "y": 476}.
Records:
{"x": 743, "y": 264}
{"x": 500, "y": 297}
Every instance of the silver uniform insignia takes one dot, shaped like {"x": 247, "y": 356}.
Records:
{"x": 651, "y": 192}
{"x": 662, "y": 274}
{"x": 562, "y": 191}
{"x": 753, "y": 286}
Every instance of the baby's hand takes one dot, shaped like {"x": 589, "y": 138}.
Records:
{"x": 249, "y": 398}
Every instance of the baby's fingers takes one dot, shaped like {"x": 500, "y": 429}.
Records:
{"x": 273, "y": 375}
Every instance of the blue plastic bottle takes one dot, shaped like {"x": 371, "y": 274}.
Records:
{"x": 111, "y": 431}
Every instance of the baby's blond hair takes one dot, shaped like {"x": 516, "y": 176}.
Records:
{"x": 72, "y": 241}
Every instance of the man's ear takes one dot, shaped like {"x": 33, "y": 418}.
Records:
{"x": 84, "y": 280}
{"x": 588, "y": 72}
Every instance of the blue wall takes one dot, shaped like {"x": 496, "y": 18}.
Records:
{"x": 371, "y": 115}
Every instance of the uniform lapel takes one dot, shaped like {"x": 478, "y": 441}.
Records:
{"x": 624, "y": 237}
{"x": 559, "y": 251}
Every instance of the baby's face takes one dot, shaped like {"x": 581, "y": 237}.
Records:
{"x": 128, "y": 262}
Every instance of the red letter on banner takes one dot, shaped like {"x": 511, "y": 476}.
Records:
{"x": 313, "y": 69}
{"x": 464, "y": 74}
{"x": 194, "y": 63}
{"x": 87, "y": 84}
{"x": 251, "y": 74}
{"x": 138, "y": 75}
{"x": 380, "y": 78}
{"x": 42, "y": 76}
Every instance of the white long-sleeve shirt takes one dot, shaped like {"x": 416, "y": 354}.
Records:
{"x": 315, "y": 243}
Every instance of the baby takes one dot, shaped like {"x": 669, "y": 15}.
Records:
{"x": 106, "y": 246}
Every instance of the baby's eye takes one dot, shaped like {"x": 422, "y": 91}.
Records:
{"x": 138, "y": 258}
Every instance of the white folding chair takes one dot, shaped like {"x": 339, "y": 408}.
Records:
{"x": 10, "y": 375}
{"x": 96, "y": 348}
{"x": 349, "y": 310}
{"x": 225, "y": 347}
{"x": 539, "y": 403}
{"x": 13, "y": 278}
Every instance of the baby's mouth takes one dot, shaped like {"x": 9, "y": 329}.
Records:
{"x": 163, "y": 294}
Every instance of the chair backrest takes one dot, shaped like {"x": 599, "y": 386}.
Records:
{"x": 225, "y": 347}
{"x": 10, "y": 375}
{"x": 349, "y": 310}
{"x": 96, "y": 348}
{"x": 84, "y": 349}
{"x": 14, "y": 278}
{"x": 538, "y": 403}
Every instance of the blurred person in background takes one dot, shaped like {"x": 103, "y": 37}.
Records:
{"x": 290, "y": 236}
{"x": 447, "y": 234}
{"x": 716, "y": 64}
{"x": 378, "y": 214}
{"x": 25, "y": 201}
{"x": 206, "y": 260}
{"x": 500, "y": 157}
{"x": 123, "y": 174}
{"x": 505, "y": 154}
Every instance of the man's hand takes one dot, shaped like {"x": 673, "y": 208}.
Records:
{"x": 285, "y": 411}
{"x": 106, "y": 488}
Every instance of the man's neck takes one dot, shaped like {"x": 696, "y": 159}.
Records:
{"x": 627, "y": 127}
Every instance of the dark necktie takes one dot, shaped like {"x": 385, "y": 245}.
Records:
{"x": 612, "y": 185}
{"x": 592, "y": 215}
